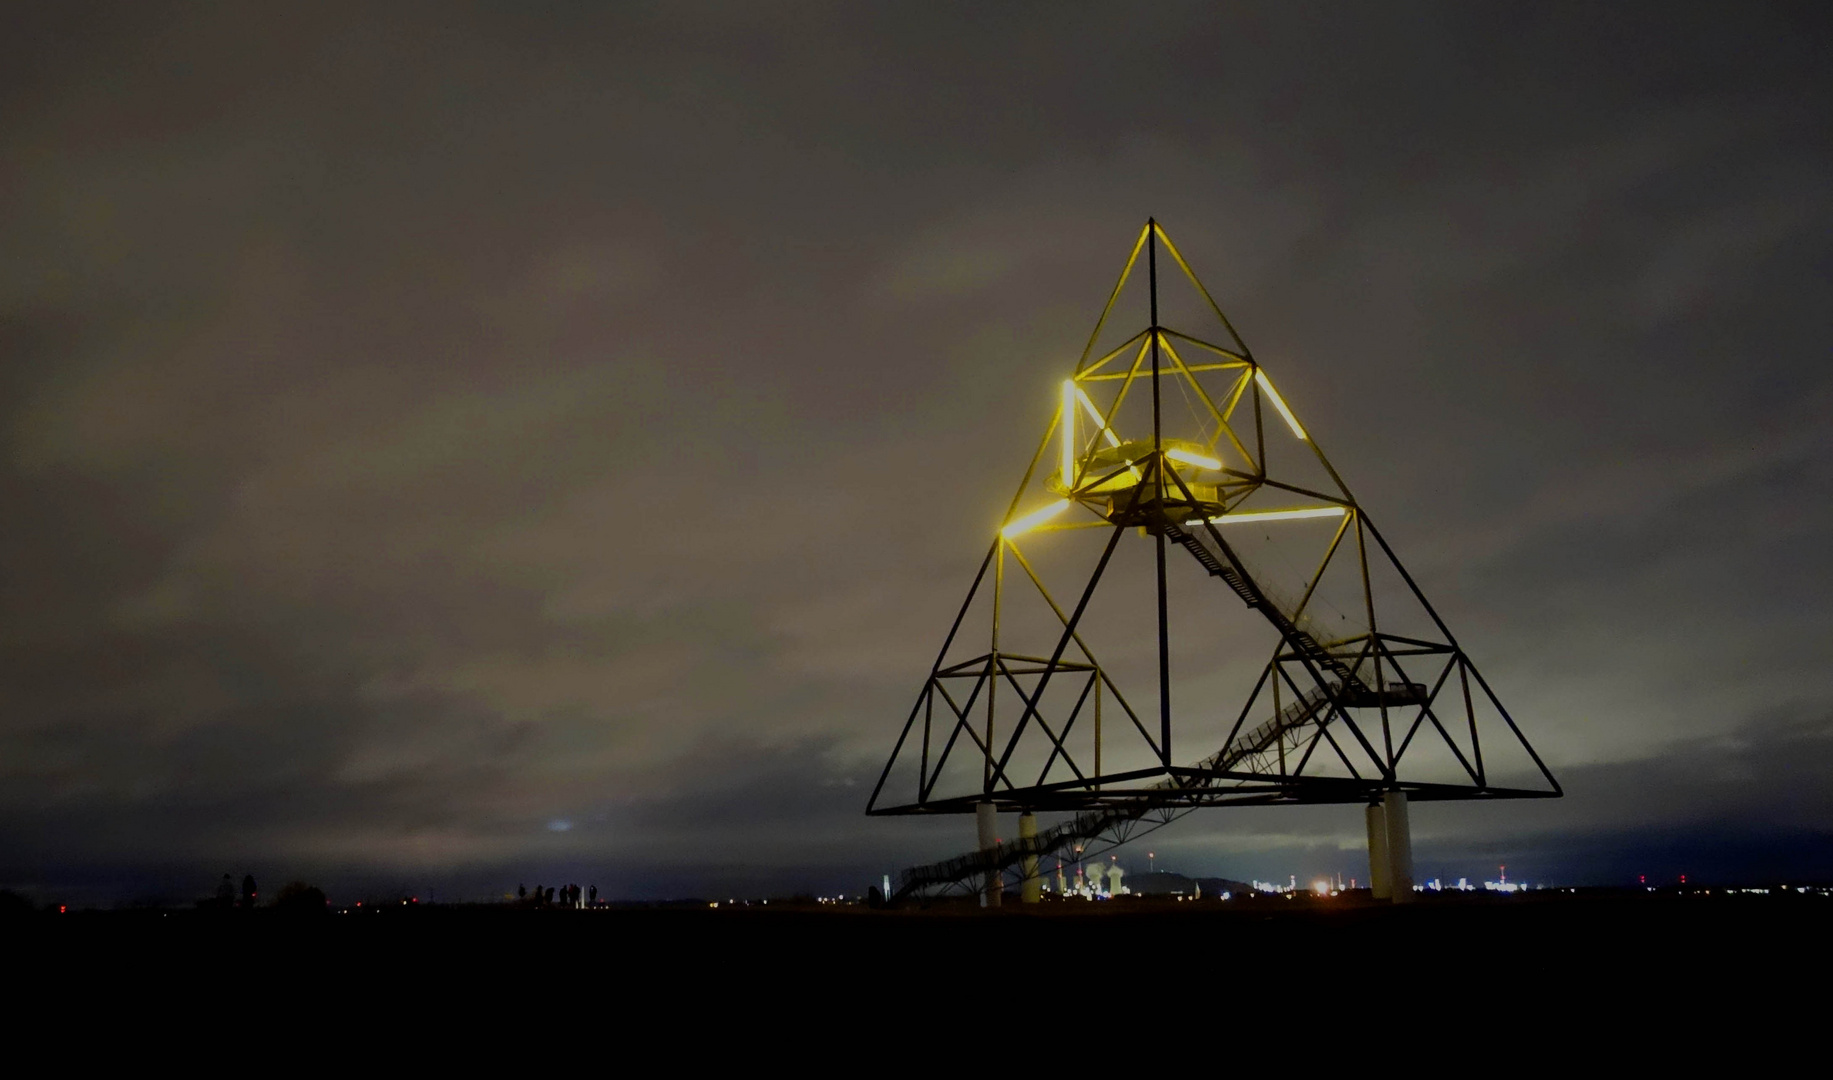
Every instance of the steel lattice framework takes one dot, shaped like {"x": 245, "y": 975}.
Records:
{"x": 1388, "y": 703}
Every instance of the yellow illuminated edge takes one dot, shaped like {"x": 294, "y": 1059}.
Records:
{"x": 1189, "y": 458}
{"x": 1095, "y": 415}
{"x": 1279, "y": 403}
{"x": 1034, "y": 519}
{"x": 1274, "y": 515}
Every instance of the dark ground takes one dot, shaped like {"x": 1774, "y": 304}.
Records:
{"x": 1540, "y": 984}
{"x": 1547, "y": 937}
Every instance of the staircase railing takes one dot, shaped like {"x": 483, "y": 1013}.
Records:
{"x": 1090, "y": 824}
{"x": 1310, "y": 707}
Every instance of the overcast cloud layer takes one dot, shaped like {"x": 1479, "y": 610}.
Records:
{"x": 466, "y": 444}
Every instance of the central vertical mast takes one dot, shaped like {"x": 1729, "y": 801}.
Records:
{"x": 1158, "y": 480}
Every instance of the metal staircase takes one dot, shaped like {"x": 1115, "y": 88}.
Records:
{"x": 1250, "y": 594}
{"x": 1252, "y": 751}
{"x": 1257, "y": 751}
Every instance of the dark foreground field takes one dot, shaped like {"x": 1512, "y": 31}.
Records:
{"x": 1623, "y": 979}
{"x": 1542, "y": 938}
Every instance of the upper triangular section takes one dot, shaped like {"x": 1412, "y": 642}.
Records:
{"x": 1193, "y": 389}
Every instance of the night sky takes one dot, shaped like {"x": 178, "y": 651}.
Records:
{"x": 457, "y": 445}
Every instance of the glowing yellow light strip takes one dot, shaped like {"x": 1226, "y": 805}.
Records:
{"x": 1034, "y": 519}
{"x": 1189, "y": 458}
{"x": 1095, "y": 415}
{"x": 1279, "y": 403}
{"x": 1068, "y": 420}
{"x": 1274, "y": 515}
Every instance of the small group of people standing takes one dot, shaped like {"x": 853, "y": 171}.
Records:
{"x": 226, "y": 893}
{"x": 572, "y": 896}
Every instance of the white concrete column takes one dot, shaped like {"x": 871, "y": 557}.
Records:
{"x": 1033, "y": 891}
{"x": 1377, "y": 853}
{"x": 988, "y": 827}
{"x": 1399, "y": 847}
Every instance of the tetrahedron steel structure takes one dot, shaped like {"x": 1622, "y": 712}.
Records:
{"x": 1173, "y": 449}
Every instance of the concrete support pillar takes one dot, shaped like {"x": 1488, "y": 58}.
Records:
{"x": 988, "y": 827}
{"x": 1033, "y": 890}
{"x": 1399, "y": 847}
{"x": 1377, "y": 853}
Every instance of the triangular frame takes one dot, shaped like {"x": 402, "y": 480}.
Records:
{"x": 1352, "y": 701}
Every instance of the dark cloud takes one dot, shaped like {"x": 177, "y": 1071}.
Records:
{"x": 421, "y": 427}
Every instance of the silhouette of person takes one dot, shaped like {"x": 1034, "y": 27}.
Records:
{"x": 592, "y": 895}
{"x": 550, "y": 894}
{"x": 521, "y": 891}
